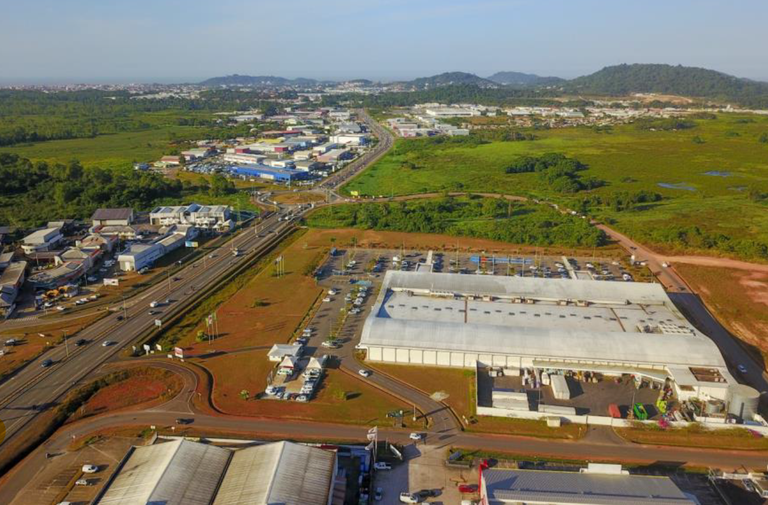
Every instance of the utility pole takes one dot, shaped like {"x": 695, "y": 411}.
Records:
{"x": 125, "y": 312}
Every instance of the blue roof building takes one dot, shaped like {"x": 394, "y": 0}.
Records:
{"x": 271, "y": 173}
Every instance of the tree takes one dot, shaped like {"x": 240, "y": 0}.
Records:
{"x": 220, "y": 186}
{"x": 763, "y": 139}
{"x": 245, "y": 394}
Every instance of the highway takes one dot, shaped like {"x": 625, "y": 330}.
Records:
{"x": 34, "y": 388}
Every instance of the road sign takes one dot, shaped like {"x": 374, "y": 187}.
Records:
{"x": 178, "y": 352}
{"x": 111, "y": 282}
{"x": 159, "y": 347}
{"x": 158, "y": 323}
{"x": 147, "y": 348}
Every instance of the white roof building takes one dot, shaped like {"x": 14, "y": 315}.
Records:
{"x": 279, "y": 473}
{"x": 178, "y": 472}
{"x": 462, "y": 320}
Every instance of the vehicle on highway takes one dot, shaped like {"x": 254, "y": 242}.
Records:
{"x": 107, "y": 343}
{"x": 82, "y": 482}
{"x": 90, "y": 468}
{"x": 416, "y": 436}
{"x": 184, "y": 420}
{"x": 152, "y": 312}
{"x": 378, "y": 494}
{"x": 409, "y": 498}
{"x": 80, "y": 342}
{"x": 380, "y": 465}
{"x": 327, "y": 299}
{"x": 120, "y": 318}
{"x": 742, "y": 369}
{"x": 154, "y": 304}
{"x": 467, "y": 488}
{"x": 364, "y": 372}
{"x": 46, "y": 363}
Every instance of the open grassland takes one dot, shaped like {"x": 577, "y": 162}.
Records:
{"x": 456, "y": 388}
{"x": 341, "y": 397}
{"x": 145, "y": 386}
{"x": 628, "y": 159}
{"x": 118, "y": 150}
{"x": 739, "y": 300}
{"x": 696, "y": 436}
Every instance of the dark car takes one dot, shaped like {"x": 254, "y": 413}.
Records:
{"x": 120, "y": 318}
{"x": 46, "y": 363}
{"x": 80, "y": 342}
{"x": 182, "y": 420}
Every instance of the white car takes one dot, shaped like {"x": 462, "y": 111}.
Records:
{"x": 302, "y": 398}
{"x": 415, "y": 436}
{"x": 382, "y": 466}
{"x": 82, "y": 482}
{"x": 90, "y": 468}
{"x": 106, "y": 343}
{"x": 327, "y": 299}
{"x": 364, "y": 372}
{"x": 408, "y": 498}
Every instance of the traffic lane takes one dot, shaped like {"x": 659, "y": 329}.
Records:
{"x": 57, "y": 381}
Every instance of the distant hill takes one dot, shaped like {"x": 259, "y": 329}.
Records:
{"x": 450, "y": 79}
{"x": 522, "y": 79}
{"x": 257, "y": 81}
{"x": 667, "y": 79}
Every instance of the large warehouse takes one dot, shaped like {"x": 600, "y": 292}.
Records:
{"x": 181, "y": 472}
{"x": 613, "y": 328}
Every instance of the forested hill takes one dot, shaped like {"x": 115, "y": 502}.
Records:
{"x": 451, "y": 79}
{"x": 523, "y": 79}
{"x": 257, "y": 81}
{"x": 675, "y": 80}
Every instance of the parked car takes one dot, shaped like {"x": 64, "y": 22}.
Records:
{"x": 416, "y": 436}
{"x": 378, "y": 494}
{"x": 380, "y": 465}
{"x": 82, "y": 482}
{"x": 302, "y": 398}
{"x": 327, "y": 299}
{"x": 364, "y": 372}
{"x": 409, "y": 498}
{"x": 742, "y": 369}
{"x": 184, "y": 420}
{"x": 46, "y": 363}
{"x": 467, "y": 488}
{"x": 90, "y": 469}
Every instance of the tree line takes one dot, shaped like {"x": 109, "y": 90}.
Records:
{"x": 489, "y": 218}
{"x": 556, "y": 171}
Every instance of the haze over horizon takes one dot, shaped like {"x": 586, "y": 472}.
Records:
{"x": 170, "y": 41}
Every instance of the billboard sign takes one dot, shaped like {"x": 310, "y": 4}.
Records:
{"x": 178, "y": 352}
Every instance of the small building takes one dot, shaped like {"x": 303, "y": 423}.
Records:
{"x": 169, "y": 161}
{"x": 335, "y": 155}
{"x": 42, "y": 240}
{"x": 140, "y": 256}
{"x": 279, "y": 352}
{"x": 307, "y": 165}
{"x": 11, "y": 281}
{"x": 112, "y": 217}
{"x": 65, "y": 273}
{"x": 200, "y": 216}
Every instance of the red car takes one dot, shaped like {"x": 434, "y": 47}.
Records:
{"x": 467, "y": 488}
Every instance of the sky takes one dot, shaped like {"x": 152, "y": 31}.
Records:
{"x": 94, "y": 41}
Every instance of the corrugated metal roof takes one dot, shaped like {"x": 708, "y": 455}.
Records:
{"x": 279, "y": 473}
{"x": 605, "y": 331}
{"x": 178, "y": 472}
{"x": 112, "y": 214}
{"x": 531, "y": 486}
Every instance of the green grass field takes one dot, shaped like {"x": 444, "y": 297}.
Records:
{"x": 629, "y": 159}
{"x": 118, "y": 150}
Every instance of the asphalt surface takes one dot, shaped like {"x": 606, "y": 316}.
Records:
{"x": 33, "y": 388}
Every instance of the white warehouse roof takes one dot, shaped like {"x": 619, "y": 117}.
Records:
{"x": 279, "y": 473}
{"x": 178, "y": 472}
{"x": 568, "y": 320}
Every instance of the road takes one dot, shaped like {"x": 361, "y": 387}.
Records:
{"x": 593, "y": 448}
{"x": 34, "y": 388}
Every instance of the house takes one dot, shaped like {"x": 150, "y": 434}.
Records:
{"x": 42, "y": 240}
{"x": 112, "y": 217}
{"x": 98, "y": 241}
{"x": 169, "y": 161}
{"x": 200, "y": 216}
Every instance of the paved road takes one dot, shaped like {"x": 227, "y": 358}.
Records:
{"x": 600, "y": 445}
{"x": 33, "y": 388}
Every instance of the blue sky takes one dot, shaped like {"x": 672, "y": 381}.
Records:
{"x": 176, "y": 40}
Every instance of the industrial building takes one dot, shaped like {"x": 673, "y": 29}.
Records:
{"x": 42, "y": 240}
{"x": 11, "y": 279}
{"x": 199, "y": 216}
{"x": 515, "y": 323}
{"x": 112, "y": 217}
{"x": 181, "y": 472}
{"x": 140, "y": 256}
{"x": 270, "y": 173}
{"x": 596, "y": 485}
